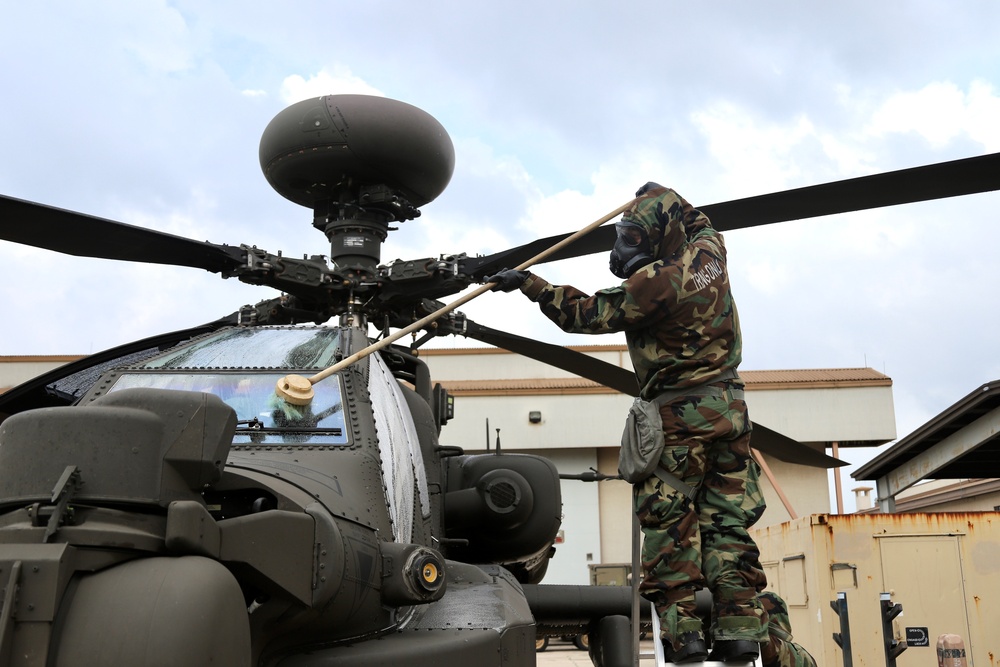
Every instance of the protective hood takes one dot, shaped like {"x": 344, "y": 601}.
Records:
{"x": 659, "y": 214}
{"x": 668, "y": 220}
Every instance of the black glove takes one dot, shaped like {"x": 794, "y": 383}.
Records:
{"x": 646, "y": 188}
{"x": 508, "y": 280}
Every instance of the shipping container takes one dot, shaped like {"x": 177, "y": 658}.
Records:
{"x": 943, "y": 568}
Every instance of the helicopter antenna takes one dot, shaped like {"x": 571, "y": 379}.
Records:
{"x": 487, "y": 434}
{"x": 498, "y": 442}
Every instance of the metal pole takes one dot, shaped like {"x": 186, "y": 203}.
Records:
{"x": 766, "y": 469}
{"x": 843, "y": 638}
{"x": 636, "y": 620}
{"x": 836, "y": 480}
{"x": 893, "y": 647}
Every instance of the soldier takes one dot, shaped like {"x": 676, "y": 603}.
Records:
{"x": 683, "y": 334}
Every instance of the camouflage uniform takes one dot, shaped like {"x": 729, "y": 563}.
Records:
{"x": 780, "y": 650}
{"x": 683, "y": 332}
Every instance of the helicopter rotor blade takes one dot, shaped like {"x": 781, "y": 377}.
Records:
{"x": 892, "y": 188}
{"x": 621, "y": 379}
{"x": 791, "y": 451}
{"x": 83, "y": 235}
{"x": 905, "y": 186}
{"x": 577, "y": 363}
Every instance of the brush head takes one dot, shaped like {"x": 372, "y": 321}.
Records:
{"x": 294, "y": 389}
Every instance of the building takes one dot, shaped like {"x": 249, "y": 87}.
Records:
{"x": 17, "y": 369}
{"x": 959, "y": 448}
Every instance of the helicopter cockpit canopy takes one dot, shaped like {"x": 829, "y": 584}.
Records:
{"x": 241, "y": 365}
{"x": 261, "y": 418}
{"x": 217, "y": 364}
{"x": 300, "y": 348}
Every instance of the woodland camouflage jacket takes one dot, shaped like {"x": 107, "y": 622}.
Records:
{"x": 677, "y": 313}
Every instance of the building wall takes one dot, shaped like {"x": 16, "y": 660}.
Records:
{"x": 568, "y": 421}
{"x": 579, "y": 541}
{"x": 616, "y": 510}
{"x": 833, "y": 414}
{"x": 17, "y": 369}
{"x": 984, "y": 503}
{"x": 495, "y": 364}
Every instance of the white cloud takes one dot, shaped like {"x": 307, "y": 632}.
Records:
{"x": 941, "y": 112}
{"x": 765, "y": 276}
{"x": 982, "y": 113}
{"x": 159, "y": 37}
{"x": 755, "y": 156}
{"x": 935, "y": 112}
{"x": 337, "y": 80}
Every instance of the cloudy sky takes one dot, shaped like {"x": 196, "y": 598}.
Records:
{"x": 150, "y": 113}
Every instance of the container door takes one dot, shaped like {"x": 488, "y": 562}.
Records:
{"x": 924, "y": 574}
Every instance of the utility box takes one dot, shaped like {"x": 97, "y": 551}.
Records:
{"x": 943, "y": 568}
{"x": 610, "y": 574}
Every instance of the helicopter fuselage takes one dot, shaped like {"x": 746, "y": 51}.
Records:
{"x": 181, "y": 493}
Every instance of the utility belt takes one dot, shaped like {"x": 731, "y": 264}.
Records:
{"x": 719, "y": 387}
{"x": 642, "y": 438}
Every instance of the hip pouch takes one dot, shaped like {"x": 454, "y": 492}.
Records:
{"x": 642, "y": 441}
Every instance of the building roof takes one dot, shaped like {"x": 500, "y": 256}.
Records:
{"x": 783, "y": 379}
{"x": 963, "y": 442}
{"x": 44, "y": 358}
{"x": 525, "y": 386}
{"x": 815, "y": 378}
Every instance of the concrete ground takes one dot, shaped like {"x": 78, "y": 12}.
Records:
{"x": 565, "y": 654}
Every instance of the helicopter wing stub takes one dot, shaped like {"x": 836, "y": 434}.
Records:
{"x": 83, "y": 235}
{"x": 906, "y": 186}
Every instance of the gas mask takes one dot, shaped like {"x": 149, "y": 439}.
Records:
{"x": 632, "y": 249}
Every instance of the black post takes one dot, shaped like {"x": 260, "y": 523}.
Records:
{"x": 890, "y": 611}
{"x": 843, "y": 638}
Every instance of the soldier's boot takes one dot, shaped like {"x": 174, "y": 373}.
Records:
{"x": 691, "y": 649}
{"x": 734, "y": 650}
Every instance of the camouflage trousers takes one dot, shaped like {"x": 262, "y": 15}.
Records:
{"x": 693, "y": 542}
{"x": 780, "y": 650}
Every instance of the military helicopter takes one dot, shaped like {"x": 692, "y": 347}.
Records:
{"x": 159, "y": 504}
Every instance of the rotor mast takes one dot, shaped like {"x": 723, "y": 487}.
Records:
{"x": 355, "y": 220}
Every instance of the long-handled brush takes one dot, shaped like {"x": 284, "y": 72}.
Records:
{"x": 297, "y": 390}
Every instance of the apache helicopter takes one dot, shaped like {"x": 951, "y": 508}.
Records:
{"x": 159, "y": 504}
